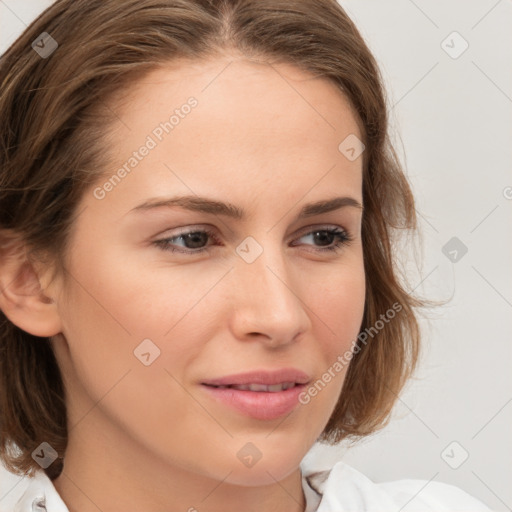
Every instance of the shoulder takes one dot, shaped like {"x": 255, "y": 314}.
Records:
{"x": 344, "y": 488}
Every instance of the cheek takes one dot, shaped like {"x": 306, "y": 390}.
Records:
{"x": 336, "y": 302}
{"x": 121, "y": 304}
{"x": 121, "y": 310}
{"x": 339, "y": 304}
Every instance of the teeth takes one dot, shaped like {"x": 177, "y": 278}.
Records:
{"x": 274, "y": 388}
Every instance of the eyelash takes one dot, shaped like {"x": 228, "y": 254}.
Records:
{"x": 344, "y": 238}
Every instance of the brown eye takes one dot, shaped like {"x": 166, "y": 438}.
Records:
{"x": 326, "y": 237}
{"x": 194, "y": 241}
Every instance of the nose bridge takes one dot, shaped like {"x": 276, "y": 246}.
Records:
{"x": 263, "y": 268}
{"x": 266, "y": 299}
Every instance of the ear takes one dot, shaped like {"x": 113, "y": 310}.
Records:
{"x": 23, "y": 299}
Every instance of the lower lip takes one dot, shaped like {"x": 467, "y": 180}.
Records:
{"x": 261, "y": 405}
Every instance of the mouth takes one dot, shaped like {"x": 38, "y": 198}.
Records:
{"x": 262, "y": 394}
{"x": 261, "y": 380}
{"x": 270, "y": 388}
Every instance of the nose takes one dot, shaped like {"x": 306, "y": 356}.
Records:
{"x": 268, "y": 302}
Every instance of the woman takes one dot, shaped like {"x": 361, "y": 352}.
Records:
{"x": 197, "y": 278}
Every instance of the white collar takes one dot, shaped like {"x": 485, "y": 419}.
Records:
{"x": 39, "y": 496}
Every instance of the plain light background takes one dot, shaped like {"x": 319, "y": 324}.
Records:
{"x": 452, "y": 110}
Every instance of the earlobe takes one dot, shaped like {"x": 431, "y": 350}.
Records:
{"x": 22, "y": 299}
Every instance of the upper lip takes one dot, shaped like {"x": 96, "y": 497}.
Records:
{"x": 267, "y": 377}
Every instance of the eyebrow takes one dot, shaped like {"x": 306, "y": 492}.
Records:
{"x": 211, "y": 206}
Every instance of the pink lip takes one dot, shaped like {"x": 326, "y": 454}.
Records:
{"x": 262, "y": 377}
{"x": 261, "y": 405}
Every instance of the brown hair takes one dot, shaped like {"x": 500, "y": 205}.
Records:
{"x": 55, "y": 113}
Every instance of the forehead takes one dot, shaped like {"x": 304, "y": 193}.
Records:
{"x": 237, "y": 96}
{"x": 253, "y": 127}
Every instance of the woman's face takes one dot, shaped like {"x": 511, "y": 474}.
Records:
{"x": 255, "y": 289}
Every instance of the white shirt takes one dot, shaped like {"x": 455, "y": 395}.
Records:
{"x": 340, "y": 489}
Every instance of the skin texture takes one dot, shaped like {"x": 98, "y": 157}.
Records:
{"x": 265, "y": 138}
